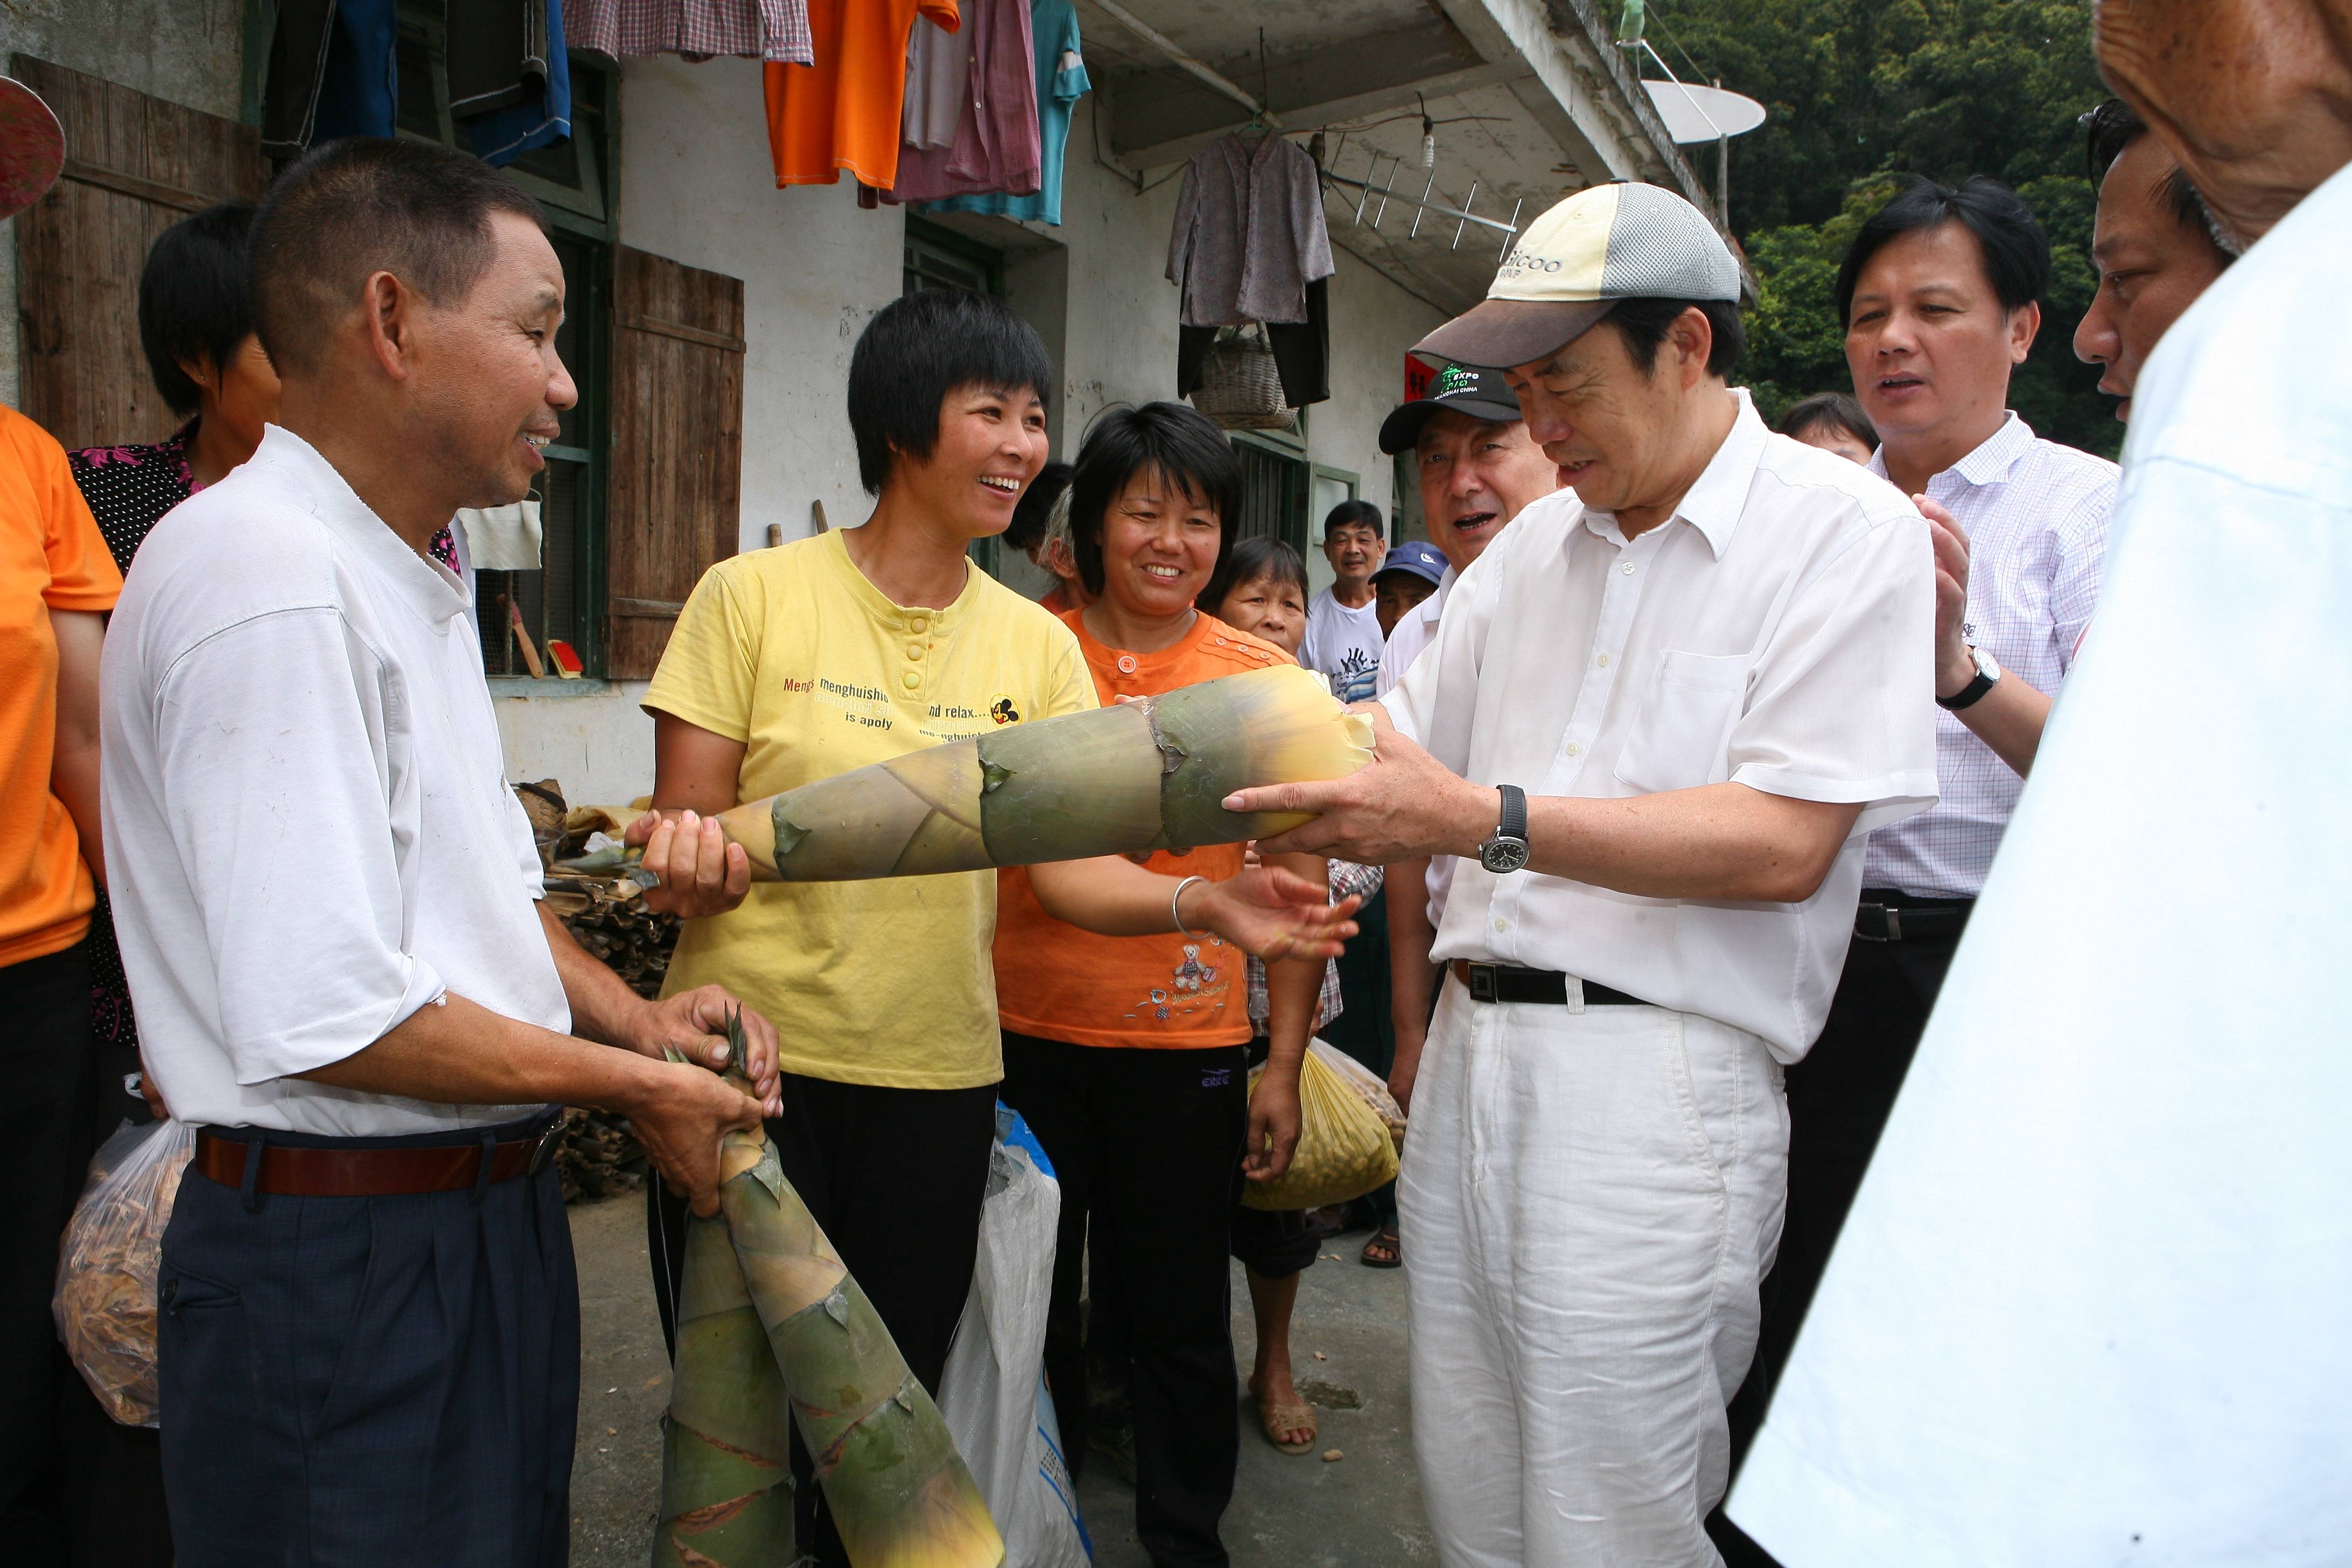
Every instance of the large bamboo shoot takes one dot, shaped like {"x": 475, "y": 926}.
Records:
{"x": 1123, "y": 780}
{"x": 768, "y": 1316}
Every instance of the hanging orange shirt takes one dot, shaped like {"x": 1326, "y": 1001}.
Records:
{"x": 842, "y": 111}
{"x": 52, "y": 557}
{"x": 1059, "y": 983}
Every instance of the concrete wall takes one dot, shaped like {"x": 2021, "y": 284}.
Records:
{"x": 597, "y": 744}
{"x": 697, "y": 187}
{"x": 187, "y": 51}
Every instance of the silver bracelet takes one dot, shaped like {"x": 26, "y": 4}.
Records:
{"x": 1174, "y": 914}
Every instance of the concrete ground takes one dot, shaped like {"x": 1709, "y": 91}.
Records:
{"x": 1306, "y": 1512}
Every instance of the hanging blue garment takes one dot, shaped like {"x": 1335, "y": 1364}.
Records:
{"x": 510, "y": 79}
{"x": 1061, "y": 83}
{"x": 359, "y": 86}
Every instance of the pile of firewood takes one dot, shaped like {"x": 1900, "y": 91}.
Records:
{"x": 598, "y": 1156}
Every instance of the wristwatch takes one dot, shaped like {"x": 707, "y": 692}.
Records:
{"x": 1506, "y": 851}
{"x": 1988, "y": 677}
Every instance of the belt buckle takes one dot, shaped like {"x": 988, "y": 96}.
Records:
{"x": 545, "y": 1150}
{"x": 1891, "y": 919}
{"x": 1482, "y": 982}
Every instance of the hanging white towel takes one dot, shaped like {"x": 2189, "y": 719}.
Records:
{"x": 502, "y": 538}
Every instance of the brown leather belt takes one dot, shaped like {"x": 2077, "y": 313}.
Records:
{"x": 370, "y": 1172}
{"x": 1509, "y": 982}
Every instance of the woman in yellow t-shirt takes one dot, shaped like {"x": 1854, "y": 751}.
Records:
{"x": 796, "y": 663}
{"x": 1128, "y": 1056}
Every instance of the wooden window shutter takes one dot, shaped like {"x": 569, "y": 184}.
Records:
{"x": 134, "y": 166}
{"x": 677, "y": 451}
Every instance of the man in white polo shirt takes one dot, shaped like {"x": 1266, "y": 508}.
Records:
{"x": 1660, "y": 716}
{"x": 369, "y": 1334}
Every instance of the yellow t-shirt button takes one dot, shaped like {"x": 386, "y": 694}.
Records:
{"x": 913, "y": 680}
{"x": 918, "y": 623}
{"x": 914, "y": 650}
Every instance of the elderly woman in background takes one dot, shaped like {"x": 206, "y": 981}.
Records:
{"x": 1261, "y": 588}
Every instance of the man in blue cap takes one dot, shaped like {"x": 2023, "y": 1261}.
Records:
{"x": 1411, "y": 573}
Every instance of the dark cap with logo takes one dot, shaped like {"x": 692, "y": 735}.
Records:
{"x": 1416, "y": 557}
{"x": 1466, "y": 389}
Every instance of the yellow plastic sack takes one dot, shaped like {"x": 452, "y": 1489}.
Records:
{"x": 1344, "y": 1150}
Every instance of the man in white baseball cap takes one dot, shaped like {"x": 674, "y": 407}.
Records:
{"x": 1660, "y": 715}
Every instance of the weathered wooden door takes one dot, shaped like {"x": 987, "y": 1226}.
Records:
{"x": 134, "y": 166}
{"x": 677, "y": 451}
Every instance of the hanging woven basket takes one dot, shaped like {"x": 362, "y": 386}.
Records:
{"x": 1241, "y": 386}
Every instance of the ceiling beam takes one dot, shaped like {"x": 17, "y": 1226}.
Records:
{"x": 1166, "y": 116}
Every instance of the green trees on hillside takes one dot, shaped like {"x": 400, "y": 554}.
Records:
{"x": 1862, "y": 93}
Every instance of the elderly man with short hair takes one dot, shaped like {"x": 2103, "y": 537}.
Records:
{"x": 1476, "y": 468}
{"x": 1660, "y": 716}
{"x": 2088, "y": 1307}
{"x": 325, "y": 894}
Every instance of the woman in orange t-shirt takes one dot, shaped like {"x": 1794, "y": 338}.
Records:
{"x": 1127, "y": 1055}
{"x": 57, "y": 582}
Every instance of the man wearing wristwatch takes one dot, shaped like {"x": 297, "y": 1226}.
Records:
{"x": 1658, "y": 718}
{"x": 1939, "y": 292}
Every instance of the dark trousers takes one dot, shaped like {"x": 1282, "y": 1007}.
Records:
{"x": 896, "y": 1177}
{"x": 1147, "y": 1138}
{"x": 44, "y": 1060}
{"x": 1364, "y": 1028}
{"x": 1840, "y": 1096}
{"x": 369, "y": 1380}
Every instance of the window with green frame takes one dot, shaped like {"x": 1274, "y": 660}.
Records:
{"x": 1278, "y": 488}
{"x": 573, "y": 181}
{"x": 937, "y": 256}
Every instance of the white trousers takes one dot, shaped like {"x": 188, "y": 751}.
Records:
{"x": 1588, "y": 1200}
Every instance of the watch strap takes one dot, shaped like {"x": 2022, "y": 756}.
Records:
{"x": 1967, "y": 695}
{"x": 1515, "y": 813}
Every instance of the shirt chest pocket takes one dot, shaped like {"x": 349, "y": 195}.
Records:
{"x": 1679, "y": 732}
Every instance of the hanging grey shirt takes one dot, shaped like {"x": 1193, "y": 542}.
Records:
{"x": 1249, "y": 234}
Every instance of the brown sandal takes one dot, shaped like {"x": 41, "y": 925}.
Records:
{"x": 1389, "y": 1244}
{"x": 1276, "y": 1419}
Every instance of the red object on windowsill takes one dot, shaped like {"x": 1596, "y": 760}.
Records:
{"x": 560, "y": 655}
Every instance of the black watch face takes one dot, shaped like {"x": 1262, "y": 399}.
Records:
{"x": 1503, "y": 855}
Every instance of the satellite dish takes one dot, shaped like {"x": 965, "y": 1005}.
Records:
{"x": 1703, "y": 113}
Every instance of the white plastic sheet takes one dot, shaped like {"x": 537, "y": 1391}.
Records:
{"x": 994, "y": 1391}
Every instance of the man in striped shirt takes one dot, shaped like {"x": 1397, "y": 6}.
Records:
{"x": 1940, "y": 296}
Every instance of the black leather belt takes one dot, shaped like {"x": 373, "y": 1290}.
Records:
{"x": 1881, "y": 919}
{"x": 1509, "y": 982}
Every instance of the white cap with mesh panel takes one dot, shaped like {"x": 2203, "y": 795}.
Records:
{"x": 1613, "y": 242}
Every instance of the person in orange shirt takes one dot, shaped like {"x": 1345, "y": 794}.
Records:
{"x": 57, "y": 583}
{"x": 1127, "y": 1054}
{"x": 841, "y": 110}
